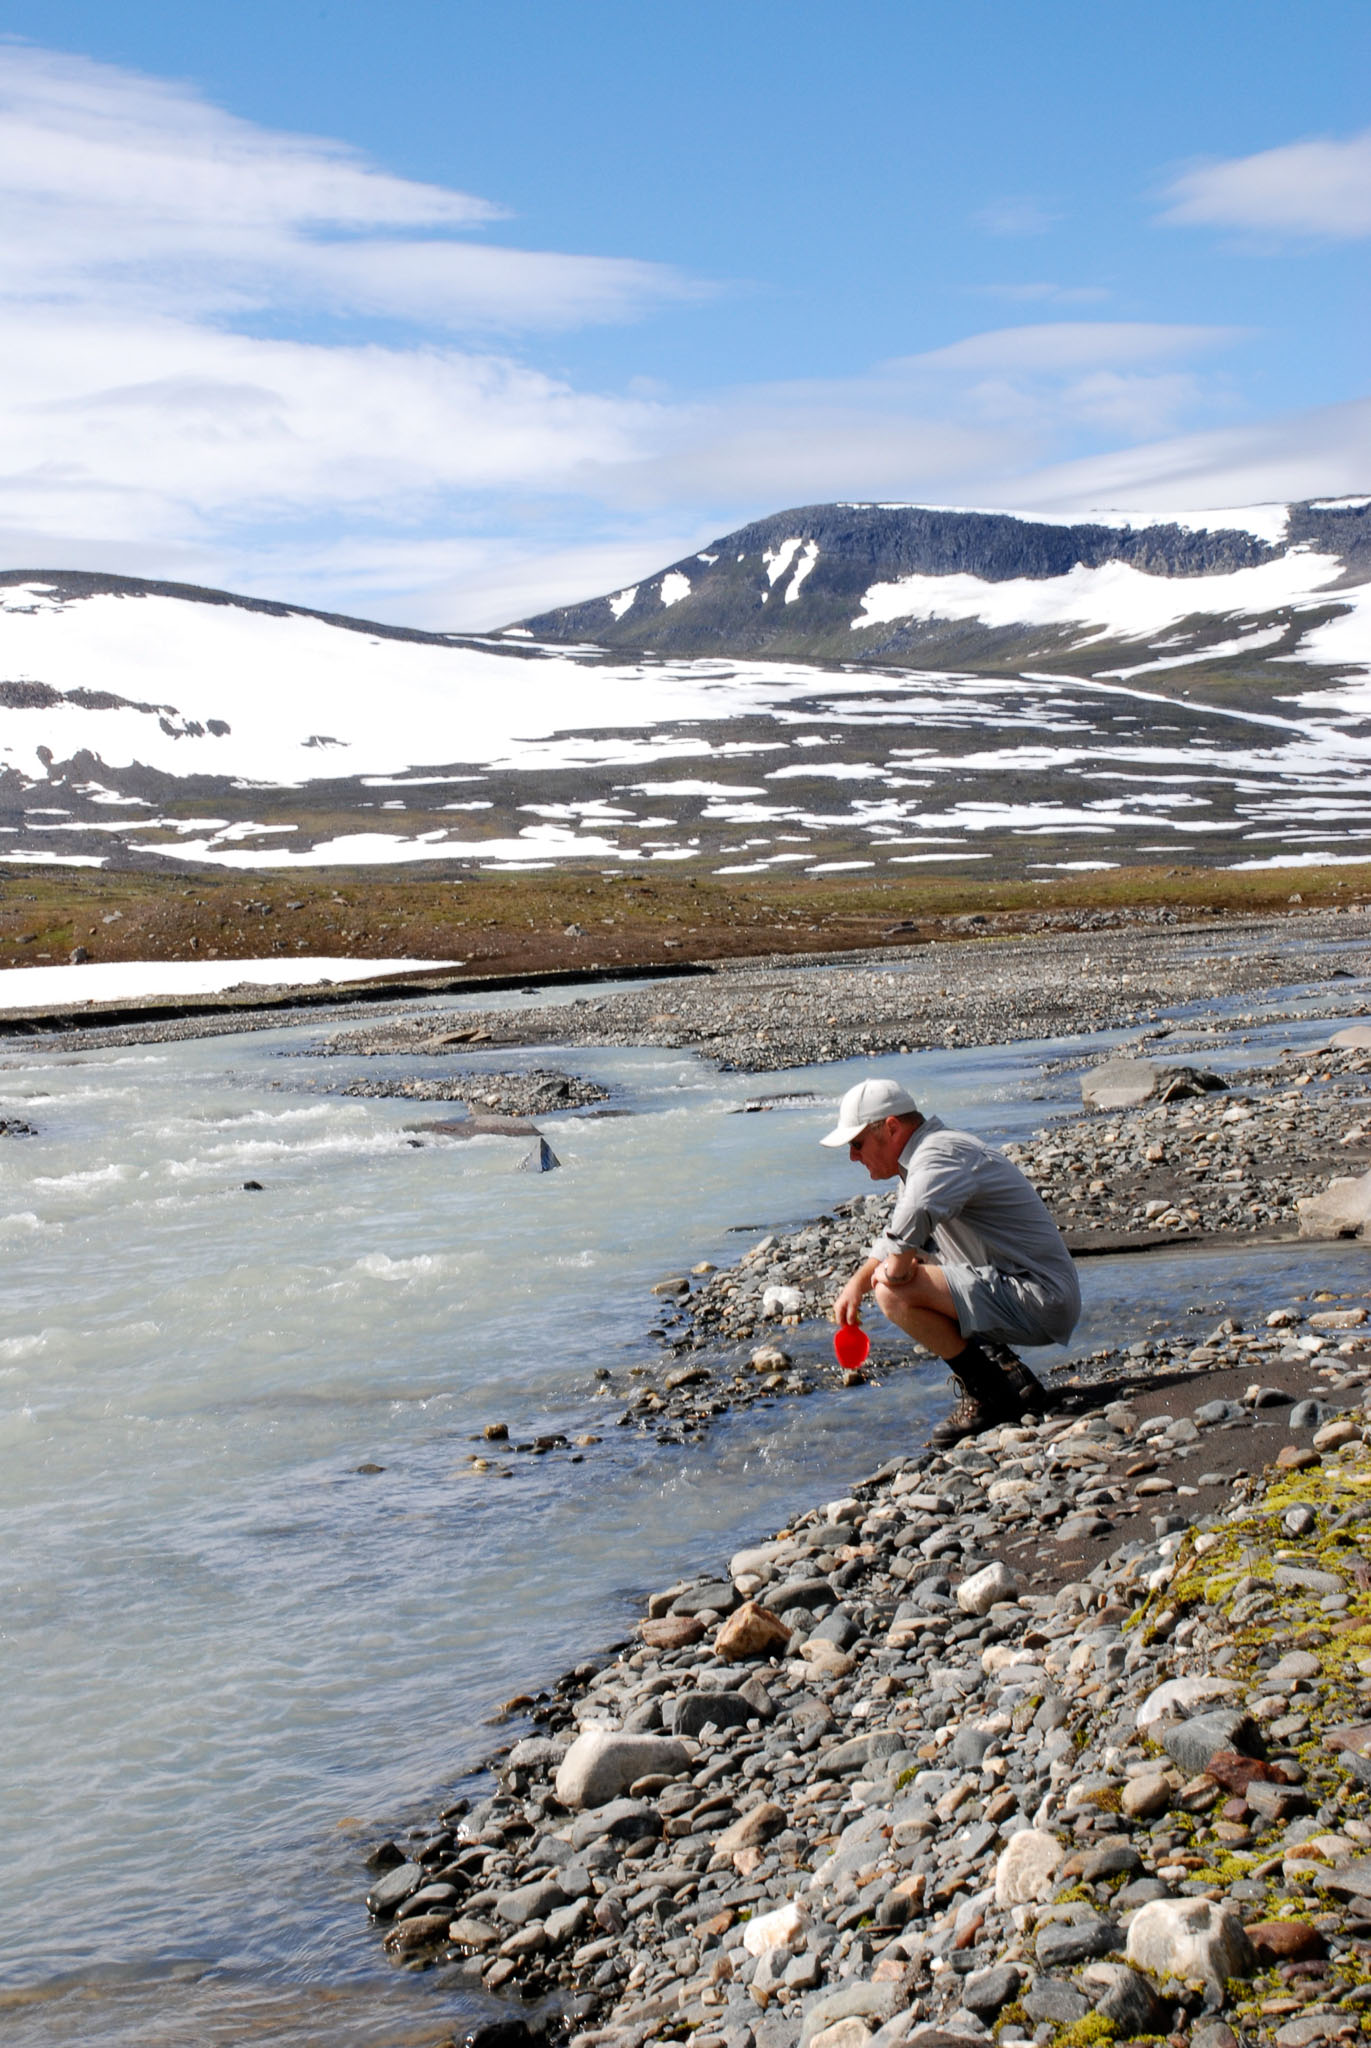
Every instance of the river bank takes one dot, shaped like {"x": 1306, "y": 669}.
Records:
{"x": 1038, "y": 1737}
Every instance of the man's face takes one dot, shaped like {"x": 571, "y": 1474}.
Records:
{"x": 879, "y": 1146}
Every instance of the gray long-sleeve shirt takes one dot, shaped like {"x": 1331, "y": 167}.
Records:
{"x": 976, "y": 1209}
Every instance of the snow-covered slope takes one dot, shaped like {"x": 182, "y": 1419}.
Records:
{"x": 1195, "y": 690}
{"x": 887, "y": 582}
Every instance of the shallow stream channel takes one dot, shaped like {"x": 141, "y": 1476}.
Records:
{"x": 258, "y": 1608}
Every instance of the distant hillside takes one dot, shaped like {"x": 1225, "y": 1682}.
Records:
{"x": 906, "y": 584}
{"x": 839, "y": 689}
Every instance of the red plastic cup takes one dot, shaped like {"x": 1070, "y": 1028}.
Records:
{"x": 851, "y": 1346}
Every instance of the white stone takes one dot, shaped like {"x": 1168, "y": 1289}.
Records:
{"x": 979, "y": 1593}
{"x": 1189, "y": 1939}
{"x": 1356, "y": 1038}
{"x": 1120, "y": 1084}
{"x": 1181, "y": 1696}
{"x": 1342, "y": 1210}
{"x": 760, "y": 1560}
{"x": 781, "y": 1301}
{"x": 781, "y": 1929}
{"x": 1026, "y": 1867}
{"x": 601, "y": 1764}
{"x": 849, "y": 2033}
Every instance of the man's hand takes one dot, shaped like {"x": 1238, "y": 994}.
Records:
{"x": 848, "y": 1306}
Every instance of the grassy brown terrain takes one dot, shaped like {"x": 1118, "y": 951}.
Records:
{"x": 548, "y": 921}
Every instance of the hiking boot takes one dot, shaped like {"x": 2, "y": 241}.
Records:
{"x": 996, "y": 1387}
{"x": 968, "y": 1418}
{"x": 1028, "y": 1388}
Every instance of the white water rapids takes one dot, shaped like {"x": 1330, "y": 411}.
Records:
{"x": 228, "y": 1660}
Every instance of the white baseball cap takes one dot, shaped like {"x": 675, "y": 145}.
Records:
{"x": 870, "y": 1102}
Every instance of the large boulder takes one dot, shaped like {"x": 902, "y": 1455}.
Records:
{"x": 784, "y": 1928}
{"x": 751, "y": 1631}
{"x": 1027, "y": 1868}
{"x": 994, "y": 1582}
{"x": 1356, "y": 1038}
{"x": 1123, "y": 1084}
{"x": 1194, "y": 1940}
{"x": 1176, "y": 1698}
{"x": 695, "y": 1711}
{"x": 603, "y": 1763}
{"x": 1342, "y": 1210}
{"x": 1190, "y": 1744}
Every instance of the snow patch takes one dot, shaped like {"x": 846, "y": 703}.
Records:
{"x": 675, "y": 586}
{"x": 108, "y": 981}
{"x": 778, "y": 560}
{"x": 802, "y": 569}
{"x": 1113, "y": 600}
{"x": 624, "y": 601}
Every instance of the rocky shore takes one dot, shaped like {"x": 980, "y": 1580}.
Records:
{"x": 544, "y": 1091}
{"x": 985, "y": 988}
{"x": 1058, "y": 1737}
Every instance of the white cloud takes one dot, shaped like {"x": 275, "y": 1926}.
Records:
{"x": 168, "y": 410}
{"x": 1303, "y": 188}
{"x": 930, "y": 426}
{"x": 1322, "y": 453}
{"x": 1064, "y": 345}
{"x": 126, "y": 190}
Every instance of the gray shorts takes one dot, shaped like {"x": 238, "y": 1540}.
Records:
{"x": 1009, "y": 1306}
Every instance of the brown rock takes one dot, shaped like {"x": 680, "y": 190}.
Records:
{"x": 1235, "y": 1773}
{"x": 758, "y": 1825}
{"x": 673, "y": 1632}
{"x": 751, "y": 1631}
{"x": 1146, "y": 1797}
{"x": 1286, "y": 1941}
{"x": 425, "y": 1930}
{"x": 1296, "y": 1458}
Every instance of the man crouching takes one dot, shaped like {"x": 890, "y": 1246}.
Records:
{"x": 971, "y": 1262}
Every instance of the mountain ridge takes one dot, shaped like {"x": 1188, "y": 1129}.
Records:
{"x": 794, "y": 584}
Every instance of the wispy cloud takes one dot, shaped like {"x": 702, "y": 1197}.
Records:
{"x": 1064, "y": 345}
{"x": 1017, "y": 214}
{"x": 124, "y": 190}
{"x": 1320, "y": 188}
{"x": 1320, "y": 453}
{"x": 930, "y": 425}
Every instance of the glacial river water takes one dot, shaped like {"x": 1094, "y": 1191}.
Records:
{"x": 229, "y": 1659}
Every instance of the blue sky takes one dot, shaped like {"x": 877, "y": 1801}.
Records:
{"x": 441, "y": 312}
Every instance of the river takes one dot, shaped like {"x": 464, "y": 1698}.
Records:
{"x": 229, "y": 1659}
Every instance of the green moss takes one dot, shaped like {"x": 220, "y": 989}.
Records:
{"x": 1087, "y": 2033}
{"x": 1012, "y": 2016}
